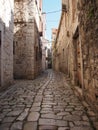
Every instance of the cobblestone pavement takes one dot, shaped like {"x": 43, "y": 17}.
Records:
{"x": 46, "y": 103}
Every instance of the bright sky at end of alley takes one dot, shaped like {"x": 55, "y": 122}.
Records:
{"x": 53, "y": 12}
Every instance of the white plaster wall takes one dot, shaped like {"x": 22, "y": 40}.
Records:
{"x": 6, "y": 27}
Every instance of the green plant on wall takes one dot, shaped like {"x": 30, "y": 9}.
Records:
{"x": 90, "y": 12}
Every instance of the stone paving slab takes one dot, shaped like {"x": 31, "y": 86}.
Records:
{"x": 33, "y": 116}
{"x": 30, "y": 126}
{"x": 17, "y": 126}
{"x": 46, "y": 121}
{"x": 46, "y": 103}
{"x": 48, "y": 127}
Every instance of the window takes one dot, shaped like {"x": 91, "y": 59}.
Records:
{"x": 36, "y": 53}
{"x": 63, "y": 53}
{"x": 13, "y": 47}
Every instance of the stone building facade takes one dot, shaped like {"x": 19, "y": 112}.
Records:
{"x": 88, "y": 29}
{"x": 6, "y": 42}
{"x": 76, "y": 47}
{"x": 44, "y": 44}
{"x": 54, "y": 33}
{"x": 27, "y": 43}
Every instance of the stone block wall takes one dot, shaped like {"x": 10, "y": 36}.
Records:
{"x": 64, "y": 42}
{"x": 37, "y": 52}
{"x": 44, "y": 53}
{"x": 6, "y": 43}
{"x": 26, "y": 61}
{"x": 27, "y": 49}
{"x": 88, "y": 18}
{"x": 76, "y": 48}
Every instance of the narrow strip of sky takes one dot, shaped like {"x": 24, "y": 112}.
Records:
{"x": 53, "y": 12}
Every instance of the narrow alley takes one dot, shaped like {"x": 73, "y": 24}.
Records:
{"x": 48, "y": 65}
{"x": 46, "y": 103}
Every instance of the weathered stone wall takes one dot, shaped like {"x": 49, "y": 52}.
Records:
{"x": 27, "y": 49}
{"x": 64, "y": 41}
{"x": 27, "y": 62}
{"x": 6, "y": 45}
{"x": 44, "y": 53}
{"x": 37, "y": 52}
{"x": 76, "y": 47}
{"x": 24, "y": 52}
{"x": 88, "y": 27}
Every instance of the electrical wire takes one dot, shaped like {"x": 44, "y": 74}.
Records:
{"x": 52, "y": 21}
{"x": 56, "y": 11}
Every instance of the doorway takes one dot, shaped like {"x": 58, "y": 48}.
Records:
{"x": 77, "y": 60}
